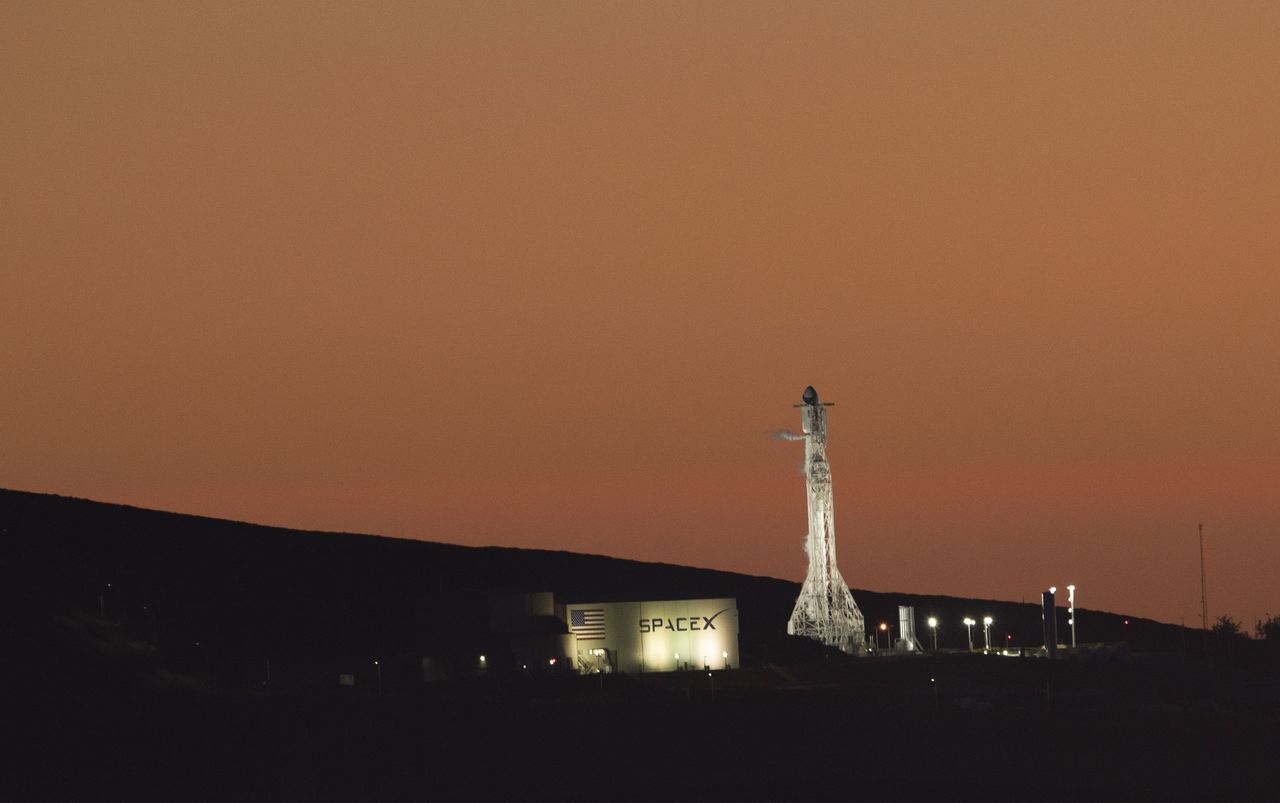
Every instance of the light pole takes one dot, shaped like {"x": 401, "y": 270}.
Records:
{"x": 969, "y": 623}
{"x": 884, "y": 628}
{"x": 725, "y": 656}
{"x": 1071, "y": 613}
{"x": 933, "y": 628}
{"x": 378, "y": 667}
{"x": 677, "y": 662}
{"x": 986, "y": 630}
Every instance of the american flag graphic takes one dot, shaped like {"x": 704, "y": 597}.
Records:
{"x": 587, "y": 623}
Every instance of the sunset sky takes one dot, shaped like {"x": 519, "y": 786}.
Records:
{"x": 551, "y": 274}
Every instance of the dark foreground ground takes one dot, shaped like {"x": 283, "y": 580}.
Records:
{"x": 137, "y": 646}
{"x": 1155, "y": 727}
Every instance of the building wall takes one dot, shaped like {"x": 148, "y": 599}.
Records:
{"x": 511, "y": 613}
{"x": 647, "y": 636}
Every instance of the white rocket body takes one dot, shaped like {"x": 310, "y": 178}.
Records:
{"x": 825, "y": 610}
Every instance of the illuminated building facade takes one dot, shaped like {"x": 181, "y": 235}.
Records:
{"x": 660, "y": 636}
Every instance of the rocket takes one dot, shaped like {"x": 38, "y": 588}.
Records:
{"x": 825, "y": 609}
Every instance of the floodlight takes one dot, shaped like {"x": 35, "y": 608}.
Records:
{"x": 986, "y": 620}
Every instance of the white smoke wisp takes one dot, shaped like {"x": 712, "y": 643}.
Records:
{"x": 787, "y": 435}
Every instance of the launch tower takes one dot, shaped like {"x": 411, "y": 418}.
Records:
{"x": 825, "y": 610}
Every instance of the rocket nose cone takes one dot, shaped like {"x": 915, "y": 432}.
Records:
{"x": 810, "y": 395}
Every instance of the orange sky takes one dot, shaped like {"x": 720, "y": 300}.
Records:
{"x": 544, "y": 274}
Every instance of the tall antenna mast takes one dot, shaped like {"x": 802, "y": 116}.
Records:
{"x": 1204, "y": 597}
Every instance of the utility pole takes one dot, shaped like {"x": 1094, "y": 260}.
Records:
{"x": 1071, "y": 601}
{"x": 1204, "y": 595}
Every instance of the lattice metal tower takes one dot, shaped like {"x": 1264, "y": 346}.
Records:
{"x": 825, "y": 610}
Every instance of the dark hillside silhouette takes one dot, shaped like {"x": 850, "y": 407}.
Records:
{"x": 245, "y": 593}
{"x": 141, "y": 644}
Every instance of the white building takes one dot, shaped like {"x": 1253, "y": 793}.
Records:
{"x": 661, "y": 636}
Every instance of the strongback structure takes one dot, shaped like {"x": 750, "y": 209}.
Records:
{"x": 825, "y": 610}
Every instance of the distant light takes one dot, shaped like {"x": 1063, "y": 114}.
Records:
{"x": 969, "y": 622}
{"x": 551, "y": 662}
{"x": 677, "y": 656}
{"x": 883, "y": 626}
{"x": 1126, "y": 621}
{"x": 375, "y": 661}
{"x": 933, "y": 621}
{"x": 1071, "y": 589}
{"x": 986, "y": 620}
{"x": 481, "y": 659}
{"x": 726, "y": 655}
{"x": 1053, "y": 589}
